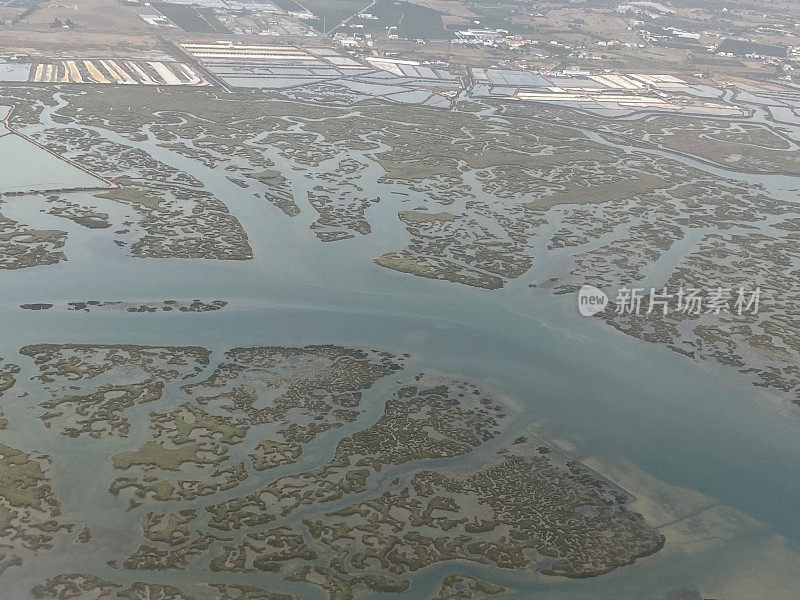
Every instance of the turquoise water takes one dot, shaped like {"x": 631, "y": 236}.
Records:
{"x": 27, "y": 167}
{"x": 695, "y": 425}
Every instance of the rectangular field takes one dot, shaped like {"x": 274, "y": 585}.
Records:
{"x": 117, "y": 71}
{"x": 192, "y": 19}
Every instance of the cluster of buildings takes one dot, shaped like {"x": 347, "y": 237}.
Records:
{"x": 485, "y": 37}
{"x": 220, "y": 5}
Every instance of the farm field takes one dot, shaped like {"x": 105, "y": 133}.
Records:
{"x": 192, "y": 19}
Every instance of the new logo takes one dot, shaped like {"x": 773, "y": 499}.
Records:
{"x": 591, "y": 300}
